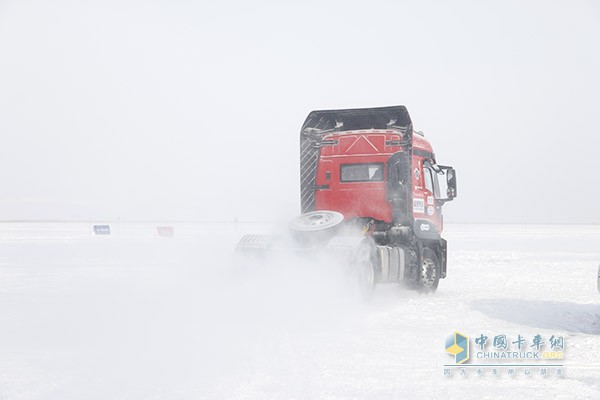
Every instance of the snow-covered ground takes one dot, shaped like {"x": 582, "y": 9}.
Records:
{"x": 137, "y": 316}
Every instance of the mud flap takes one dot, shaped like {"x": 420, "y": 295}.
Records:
{"x": 443, "y": 257}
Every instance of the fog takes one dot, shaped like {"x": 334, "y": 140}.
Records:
{"x": 182, "y": 110}
{"x": 135, "y": 316}
{"x": 179, "y": 111}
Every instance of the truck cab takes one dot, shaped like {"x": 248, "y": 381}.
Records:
{"x": 355, "y": 177}
{"x": 371, "y": 166}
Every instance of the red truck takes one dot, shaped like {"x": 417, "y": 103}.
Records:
{"x": 372, "y": 192}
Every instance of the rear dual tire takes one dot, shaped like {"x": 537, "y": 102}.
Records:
{"x": 366, "y": 279}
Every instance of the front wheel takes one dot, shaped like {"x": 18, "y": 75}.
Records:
{"x": 428, "y": 277}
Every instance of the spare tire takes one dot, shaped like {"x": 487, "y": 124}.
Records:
{"x": 315, "y": 226}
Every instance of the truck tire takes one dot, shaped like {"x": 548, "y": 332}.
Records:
{"x": 315, "y": 227}
{"x": 429, "y": 272}
{"x": 366, "y": 279}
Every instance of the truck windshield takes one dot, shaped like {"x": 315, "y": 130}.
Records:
{"x": 372, "y": 172}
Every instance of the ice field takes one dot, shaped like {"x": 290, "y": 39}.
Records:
{"x": 137, "y": 316}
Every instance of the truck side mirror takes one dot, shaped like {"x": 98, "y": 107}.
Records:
{"x": 448, "y": 188}
{"x": 451, "y": 183}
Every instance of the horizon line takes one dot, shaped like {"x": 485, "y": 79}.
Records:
{"x": 244, "y": 221}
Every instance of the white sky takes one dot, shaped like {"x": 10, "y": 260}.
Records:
{"x": 189, "y": 110}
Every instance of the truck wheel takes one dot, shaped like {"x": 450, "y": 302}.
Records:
{"x": 366, "y": 279}
{"x": 357, "y": 255}
{"x": 429, "y": 272}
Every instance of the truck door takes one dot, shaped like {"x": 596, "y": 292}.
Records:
{"x": 432, "y": 190}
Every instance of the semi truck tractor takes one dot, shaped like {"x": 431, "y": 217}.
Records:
{"x": 372, "y": 194}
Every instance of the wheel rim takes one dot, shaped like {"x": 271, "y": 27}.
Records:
{"x": 316, "y": 220}
{"x": 428, "y": 273}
